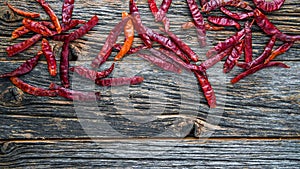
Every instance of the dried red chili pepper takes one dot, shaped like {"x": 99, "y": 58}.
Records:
{"x": 223, "y": 21}
{"x": 163, "y": 10}
{"x": 51, "y": 14}
{"x": 267, "y": 51}
{"x": 207, "y": 89}
{"x": 23, "y": 13}
{"x": 37, "y": 27}
{"x": 137, "y": 22}
{"x": 83, "y": 29}
{"x": 154, "y": 10}
{"x": 72, "y": 24}
{"x": 132, "y": 49}
{"x": 48, "y": 24}
{"x": 91, "y": 74}
{"x": 280, "y": 50}
{"x": 67, "y": 10}
{"x": 129, "y": 35}
{"x": 119, "y": 81}
{"x": 163, "y": 64}
{"x": 208, "y": 27}
{"x": 268, "y": 6}
{"x": 199, "y": 22}
{"x": 20, "y": 47}
{"x": 183, "y": 46}
{"x": 214, "y": 4}
{"x": 215, "y": 59}
{"x": 233, "y": 57}
{"x": 75, "y": 95}
{"x": 31, "y": 89}
{"x": 237, "y": 16}
{"x": 19, "y": 32}
{"x": 24, "y": 68}
{"x": 109, "y": 43}
{"x": 257, "y": 68}
{"x": 46, "y": 48}
{"x": 64, "y": 65}
{"x": 229, "y": 42}
{"x": 248, "y": 42}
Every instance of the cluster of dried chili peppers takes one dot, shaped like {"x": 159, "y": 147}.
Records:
{"x": 173, "y": 55}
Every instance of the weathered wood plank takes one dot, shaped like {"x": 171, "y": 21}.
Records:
{"x": 150, "y": 154}
{"x": 265, "y": 104}
{"x": 110, "y": 13}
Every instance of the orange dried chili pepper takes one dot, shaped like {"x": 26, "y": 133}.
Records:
{"x": 19, "y": 32}
{"x": 23, "y": 13}
{"x": 280, "y": 50}
{"x": 46, "y": 48}
{"x": 129, "y": 34}
{"x": 37, "y": 27}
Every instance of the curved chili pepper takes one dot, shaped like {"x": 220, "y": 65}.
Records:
{"x": 229, "y": 42}
{"x": 248, "y": 42}
{"x": 91, "y": 74}
{"x": 24, "y": 68}
{"x": 233, "y": 57}
{"x": 280, "y": 50}
{"x": 129, "y": 35}
{"x": 213, "y": 60}
{"x": 207, "y": 89}
{"x": 37, "y": 27}
{"x": 109, "y": 43}
{"x": 31, "y": 89}
{"x": 20, "y": 47}
{"x": 75, "y": 95}
{"x": 223, "y": 21}
{"x": 268, "y": 6}
{"x": 137, "y": 22}
{"x": 208, "y": 27}
{"x": 183, "y": 46}
{"x": 64, "y": 65}
{"x": 83, "y": 29}
{"x": 237, "y": 16}
{"x": 267, "y": 51}
{"x": 23, "y": 13}
{"x": 257, "y": 68}
{"x": 67, "y": 10}
{"x": 163, "y": 10}
{"x": 119, "y": 81}
{"x": 46, "y": 48}
{"x": 199, "y": 22}
{"x": 214, "y": 4}
{"x": 19, "y": 32}
{"x": 51, "y": 14}
{"x": 165, "y": 65}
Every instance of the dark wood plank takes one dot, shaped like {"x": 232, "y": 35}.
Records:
{"x": 151, "y": 154}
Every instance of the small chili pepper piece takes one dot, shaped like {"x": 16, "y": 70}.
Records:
{"x": 67, "y": 10}
{"x": 64, "y": 65}
{"x": 19, "y": 32}
{"x": 119, "y": 81}
{"x": 229, "y": 42}
{"x": 23, "y": 13}
{"x": 208, "y": 27}
{"x": 75, "y": 95}
{"x": 280, "y": 50}
{"x": 24, "y": 68}
{"x": 109, "y": 43}
{"x": 248, "y": 42}
{"x": 233, "y": 57}
{"x": 223, "y": 21}
{"x": 31, "y": 89}
{"x": 163, "y": 10}
{"x": 37, "y": 27}
{"x": 47, "y": 51}
{"x": 257, "y": 68}
{"x": 129, "y": 35}
{"x": 138, "y": 25}
{"x": 268, "y": 6}
{"x": 183, "y": 46}
{"x": 131, "y": 50}
{"x": 51, "y": 14}
{"x": 207, "y": 89}
{"x": 91, "y": 74}
{"x": 237, "y": 16}
{"x": 214, "y": 60}
{"x": 267, "y": 51}
{"x": 198, "y": 21}
{"x": 20, "y": 47}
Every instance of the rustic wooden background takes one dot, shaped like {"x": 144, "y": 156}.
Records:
{"x": 255, "y": 125}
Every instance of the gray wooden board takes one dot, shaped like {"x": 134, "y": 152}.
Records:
{"x": 151, "y": 154}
